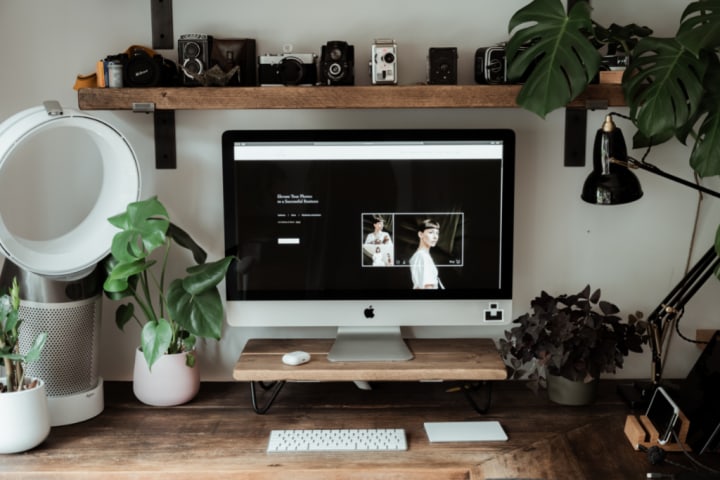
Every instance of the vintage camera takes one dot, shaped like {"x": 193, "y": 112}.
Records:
{"x": 228, "y": 53}
{"x": 442, "y": 66}
{"x": 144, "y": 68}
{"x": 287, "y": 68}
{"x": 194, "y": 56}
{"x": 491, "y": 66}
{"x": 383, "y": 62}
{"x": 337, "y": 63}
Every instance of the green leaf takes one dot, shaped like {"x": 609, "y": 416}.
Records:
{"x": 699, "y": 26}
{"x": 34, "y": 353}
{"x": 123, "y": 275}
{"x": 206, "y": 276}
{"x": 155, "y": 340}
{"x": 557, "y": 47}
{"x": 143, "y": 227}
{"x": 663, "y": 86}
{"x": 200, "y": 314}
{"x": 705, "y": 156}
{"x": 182, "y": 238}
{"x": 124, "y": 314}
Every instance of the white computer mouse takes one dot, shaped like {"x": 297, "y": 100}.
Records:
{"x": 296, "y": 358}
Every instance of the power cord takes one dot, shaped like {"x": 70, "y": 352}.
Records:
{"x": 657, "y": 456}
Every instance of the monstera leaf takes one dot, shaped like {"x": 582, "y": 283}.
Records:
{"x": 557, "y": 48}
{"x": 663, "y": 86}
{"x": 705, "y": 156}
{"x": 698, "y": 31}
{"x": 672, "y": 89}
{"x": 699, "y": 27}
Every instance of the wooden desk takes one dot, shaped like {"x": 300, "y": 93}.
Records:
{"x": 465, "y": 359}
{"x": 217, "y": 436}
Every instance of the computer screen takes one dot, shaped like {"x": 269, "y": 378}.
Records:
{"x": 369, "y": 228}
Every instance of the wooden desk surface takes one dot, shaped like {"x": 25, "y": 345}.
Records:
{"x": 435, "y": 359}
{"x": 218, "y": 436}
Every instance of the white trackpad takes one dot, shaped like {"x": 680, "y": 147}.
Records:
{"x": 485, "y": 431}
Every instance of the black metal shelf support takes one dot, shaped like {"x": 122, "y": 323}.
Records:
{"x": 164, "y": 120}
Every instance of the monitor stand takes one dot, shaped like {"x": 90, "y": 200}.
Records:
{"x": 369, "y": 344}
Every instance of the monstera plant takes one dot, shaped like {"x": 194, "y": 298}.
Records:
{"x": 172, "y": 315}
{"x": 671, "y": 85}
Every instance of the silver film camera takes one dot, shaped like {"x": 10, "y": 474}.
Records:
{"x": 288, "y": 68}
{"x": 383, "y": 62}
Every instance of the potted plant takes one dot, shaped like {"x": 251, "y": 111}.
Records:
{"x": 24, "y": 414}
{"x": 671, "y": 85}
{"x": 570, "y": 338}
{"x": 173, "y": 314}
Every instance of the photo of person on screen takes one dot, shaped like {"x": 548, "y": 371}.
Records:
{"x": 423, "y": 271}
{"x": 378, "y": 236}
{"x": 378, "y": 258}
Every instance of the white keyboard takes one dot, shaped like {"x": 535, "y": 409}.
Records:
{"x": 337, "y": 440}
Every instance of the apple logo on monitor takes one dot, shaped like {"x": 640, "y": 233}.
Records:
{"x": 369, "y": 312}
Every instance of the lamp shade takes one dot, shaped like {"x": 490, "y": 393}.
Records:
{"x": 610, "y": 183}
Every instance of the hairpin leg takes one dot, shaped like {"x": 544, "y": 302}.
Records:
{"x": 274, "y": 388}
{"x": 469, "y": 389}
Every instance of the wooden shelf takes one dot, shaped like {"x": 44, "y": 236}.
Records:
{"x": 446, "y": 359}
{"x": 336, "y": 97}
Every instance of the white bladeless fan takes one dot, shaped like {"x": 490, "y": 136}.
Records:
{"x": 59, "y": 270}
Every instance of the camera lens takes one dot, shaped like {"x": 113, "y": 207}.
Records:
{"x": 192, "y": 66}
{"x": 335, "y": 69}
{"x": 389, "y": 58}
{"x": 290, "y": 71}
{"x": 335, "y": 54}
{"x": 191, "y": 49}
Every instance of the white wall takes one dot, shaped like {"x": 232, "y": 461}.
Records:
{"x": 635, "y": 253}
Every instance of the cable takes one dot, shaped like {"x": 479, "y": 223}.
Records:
{"x": 693, "y": 460}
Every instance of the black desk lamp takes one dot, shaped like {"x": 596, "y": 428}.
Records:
{"x": 612, "y": 183}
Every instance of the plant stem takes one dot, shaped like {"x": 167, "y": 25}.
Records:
{"x": 10, "y": 374}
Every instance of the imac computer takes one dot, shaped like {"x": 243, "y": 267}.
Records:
{"x": 369, "y": 231}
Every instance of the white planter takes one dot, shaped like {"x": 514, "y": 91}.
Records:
{"x": 24, "y": 419}
{"x": 170, "y": 382}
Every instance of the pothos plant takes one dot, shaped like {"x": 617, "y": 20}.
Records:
{"x": 173, "y": 314}
{"x": 13, "y": 360}
{"x": 671, "y": 85}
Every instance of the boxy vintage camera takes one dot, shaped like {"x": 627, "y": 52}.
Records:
{"x": 194, "y": 56}
{"x": 491, "y": 66}
{"x": 287, "y": 68}
{"x": 383, "y": 62}
{"x": 337, "y": 63}
{"x": 442, "y": 66}
{"x": 228, "y": 53}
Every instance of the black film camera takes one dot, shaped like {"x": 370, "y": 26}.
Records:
{"x": 337, "y": 63}
{"x": 194, "y": 56}
{"x": 288, "y": 68}
{"x": 144, "y": 68}
{"x": 442, "y": 66}
{"x": 491, "y": 66}
{"x": 228, "y": 53}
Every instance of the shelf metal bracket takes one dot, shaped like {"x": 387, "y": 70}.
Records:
{"x": 576, "y": 131}
{"x": 575, "y": 128}
{"x": 162, "y": 24}
{"x": 164, "y": 125}
{"x": 162, "y": 39}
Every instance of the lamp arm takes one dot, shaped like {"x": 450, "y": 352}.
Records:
{"x": 672, "y": 306}
{"x": 634, "y": 163}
